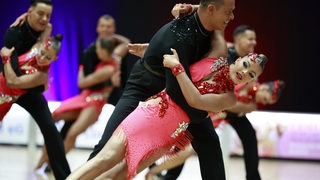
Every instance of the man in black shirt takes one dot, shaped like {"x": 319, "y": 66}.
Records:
{"x": 244, "y": 42}
{"x": 23, "y": 38}
{"x": 106, "y": 27}
{"x": 191, "y": 37}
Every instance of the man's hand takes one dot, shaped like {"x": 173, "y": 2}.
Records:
{"x": 181, "y": 8}
{"x": 138, "y": 49}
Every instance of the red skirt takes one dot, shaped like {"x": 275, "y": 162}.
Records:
{"x": 85, "y": 99}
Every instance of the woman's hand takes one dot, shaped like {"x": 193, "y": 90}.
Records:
{"x": 6, "y": 51}
{"x": 138, "y": 49}
{"x": 170, "y": 60}
{"x": 116, "y": 79}
{"x": 20, "y": 20}
{"x": 180, "y": 8}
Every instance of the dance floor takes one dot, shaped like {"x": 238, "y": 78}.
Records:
{"x": 17, "y": 163}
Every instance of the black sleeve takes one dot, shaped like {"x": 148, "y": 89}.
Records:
{"x": 10, "y": 40}
{"x": 231, "y": 115}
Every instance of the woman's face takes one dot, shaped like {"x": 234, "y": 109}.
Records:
{"x": 244, "y": 70}
{"x": 264, "y": 96}
{"x": 102, "y": 54}
{"x": 46, "y": 56}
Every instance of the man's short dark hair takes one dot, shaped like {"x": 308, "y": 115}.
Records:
{"x": 35, "y": 2}
{"x": 241, "y": 29}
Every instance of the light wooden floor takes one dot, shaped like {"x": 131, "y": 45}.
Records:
{"x": 17, "y": 162}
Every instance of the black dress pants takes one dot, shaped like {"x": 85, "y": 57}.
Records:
{"x": 37, "y": 106}
{"x": 247, "y": 135}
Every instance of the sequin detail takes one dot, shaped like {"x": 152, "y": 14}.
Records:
{"x": 163, "y": 104}
{"x": 5, "y": 98}
{"x": 221, "y": 81}
{"x": 182, "y": 128}
{"x": 34, "y": 67}
{"x": 95, "y": 97}
{"x": 32, "y": 53}
{"x": 184, "y": 29}
{"x": 250, "y": 96}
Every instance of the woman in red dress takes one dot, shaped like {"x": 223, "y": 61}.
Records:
{"x": 84, "y": 109}
{"x": 34, "y": 64}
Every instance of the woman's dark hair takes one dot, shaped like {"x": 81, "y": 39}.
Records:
{"x": 56, "y": 42}
{"x": 275, "y": 88}
{"x": 108, "y": 44}
{"x": 262, "y": 60}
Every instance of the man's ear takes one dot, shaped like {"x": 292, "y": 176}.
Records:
{"x": 211, "y": 8}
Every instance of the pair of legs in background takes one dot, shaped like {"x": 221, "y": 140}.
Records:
{"x": 37, "y": 106}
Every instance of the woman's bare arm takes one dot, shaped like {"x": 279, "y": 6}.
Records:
{"x": 96, "y": 77}
{"x": 207, "y": 102}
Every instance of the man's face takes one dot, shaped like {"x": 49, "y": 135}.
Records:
{"x": 246, "y": 41}
{"x": 220, "y": 16}
{"x": 39, "y": 16}
{"x": 105, "y": 28}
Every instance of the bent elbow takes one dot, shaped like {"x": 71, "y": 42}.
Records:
{"x": 233, "y": 101}
{"x": 194, "y": 102}
{"x": 11, "y": 84}
{"x": 228, "y": 102}
{"x": 81, "y": 85}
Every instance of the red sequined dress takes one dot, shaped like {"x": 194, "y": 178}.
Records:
{"x": 9, "y": 95}
{"x": 96, "y": 98}
{"x": 156, "y": 128}
{"x": 250, "y": 96}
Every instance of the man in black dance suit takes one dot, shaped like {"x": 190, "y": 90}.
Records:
{"x": 23, "y": 38}
{"x": 244, "y": 38}
{"x": 191, "y": 37}
{"x": 106, "y": 27}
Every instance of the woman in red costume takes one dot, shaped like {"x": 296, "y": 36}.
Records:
{"x": 251, "y": 95}
{"x": 248, "y": 97}
{"x": 84, "y": 108}
{"x": 159, "y": 123}
{"x": 34, "y": 65}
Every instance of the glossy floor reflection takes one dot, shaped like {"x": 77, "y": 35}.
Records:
{"x": 17, "y": 163}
